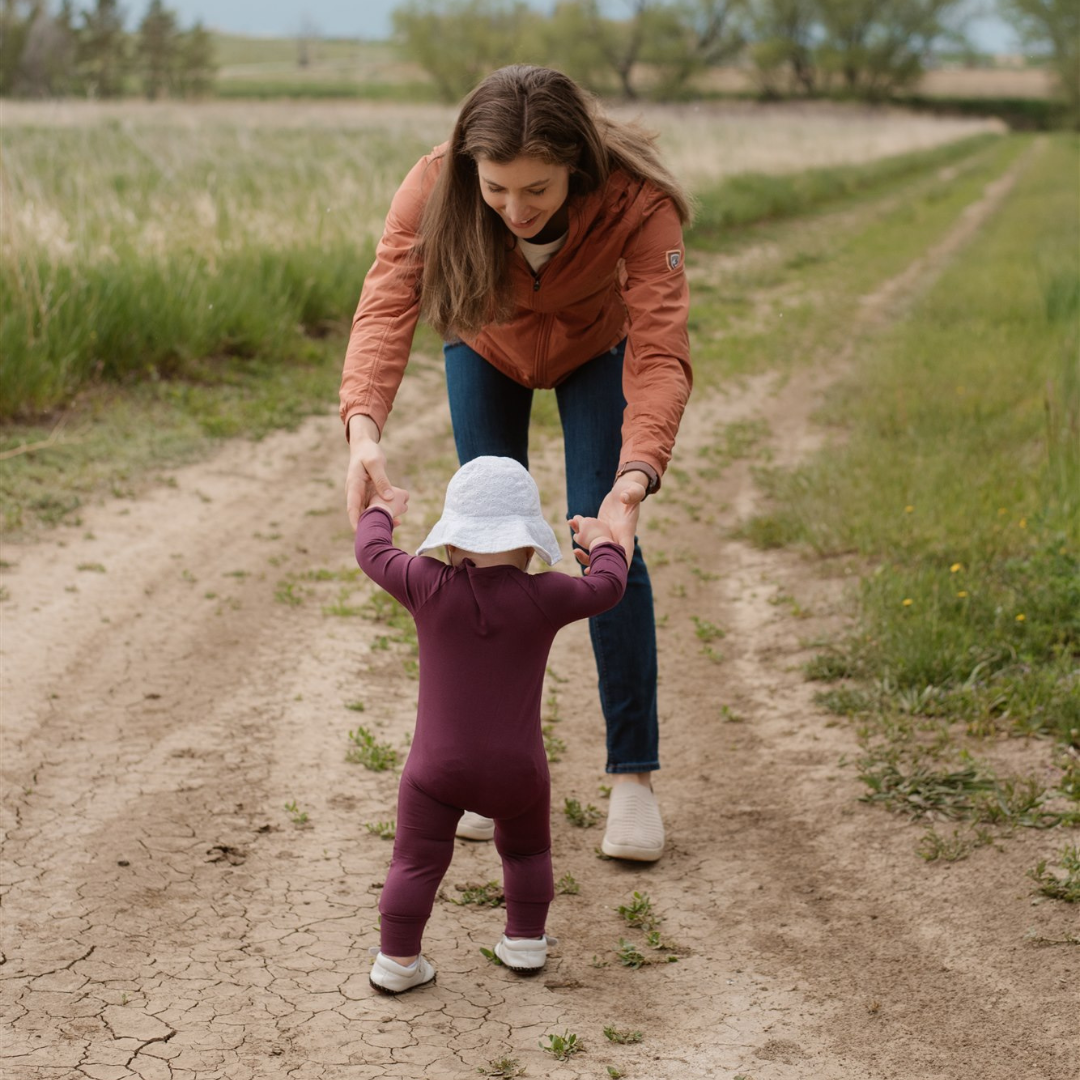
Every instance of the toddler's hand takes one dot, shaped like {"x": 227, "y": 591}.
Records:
{"x": 588, "y": 531}
{"x": 397, "y": 504}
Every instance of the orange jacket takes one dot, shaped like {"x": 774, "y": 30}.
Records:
{"x": 620, "y": 274}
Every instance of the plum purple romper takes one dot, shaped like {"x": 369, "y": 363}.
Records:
{"x": 484, "y": 635}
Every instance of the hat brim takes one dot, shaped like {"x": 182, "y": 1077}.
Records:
{"x": 488, "y": 535}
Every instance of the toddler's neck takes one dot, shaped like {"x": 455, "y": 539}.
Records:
{"x": 519, "y": 557}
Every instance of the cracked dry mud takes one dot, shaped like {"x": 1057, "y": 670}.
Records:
{"x": 165, "y": 918}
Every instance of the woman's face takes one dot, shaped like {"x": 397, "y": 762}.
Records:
{"x": 527, "y": 193}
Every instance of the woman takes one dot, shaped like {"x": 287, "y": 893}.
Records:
{"x": 543, "y": 242}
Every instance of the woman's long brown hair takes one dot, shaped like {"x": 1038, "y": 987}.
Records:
{"x": 517, "y": 111}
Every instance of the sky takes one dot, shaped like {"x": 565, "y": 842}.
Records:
{"x": 371, "y": 18}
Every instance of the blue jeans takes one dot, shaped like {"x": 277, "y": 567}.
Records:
{"x": 490, "y": 414}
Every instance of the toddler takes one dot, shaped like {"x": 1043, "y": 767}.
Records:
{"x": 484, "y": 628}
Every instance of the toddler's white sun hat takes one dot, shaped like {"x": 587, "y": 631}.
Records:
{"x": 492, "y": 504}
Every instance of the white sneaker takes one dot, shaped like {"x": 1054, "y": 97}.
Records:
{"x": 634, "y": 827}
{"x": 475, "y": 827}
{"x": 524, "y": 954}
{"x": 390, "y": 977}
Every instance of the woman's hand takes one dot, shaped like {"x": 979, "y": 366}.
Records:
{"x": 367, "y": 468}
{"x": 619, "y": 512}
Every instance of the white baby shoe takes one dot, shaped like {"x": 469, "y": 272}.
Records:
{"x": 390, "y": 977}
{"x": 524, "y": 954}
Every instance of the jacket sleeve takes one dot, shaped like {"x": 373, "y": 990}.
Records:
{"x": 568, "y": 598}
{"x": 386, "y": 316}
{"x": 409, "y": 579}
{"x": 656, "y": 375}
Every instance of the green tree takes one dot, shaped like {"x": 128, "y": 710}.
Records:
{"x": 158, "y": 50}
{"x": 197, "y": 66}
{"x": 16, "y": 19}
{"x": 783, "y": 34}
{"x": 682, "y": 39}
{"x": 458, "y": 42}
{"x": 878, "y": 46}
{"x": 46, "y": 67}
{"x": 101, "y": 54}
{"x": 1053, "y": 25}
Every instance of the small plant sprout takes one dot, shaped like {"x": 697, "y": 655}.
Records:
{"x": 605, "y": 791}
{"x": 489, "y": 955}
{"x": 622, "y": 1036}
{"x": 378, "y": 757}
{"x": 562, "y": 1047}
{"x": 614, "y": 1073}
{"x": 630, "y": 955}
{"x": 581, "y": 817}
{"x": 554, "y": 747}
{"x": 505, "y": 1068}
{"x": 385, "y": 830}
{"x": 639, "y": 913}
{"x": 1062, "y": 883}
{"x": 489, "y": 895}
{"x": 355, "y": 706}
{"x": 568, "y": 885}
{"x": 298, "y": 816}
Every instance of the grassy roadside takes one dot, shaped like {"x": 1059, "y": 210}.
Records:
{"x": 957, "y": 485}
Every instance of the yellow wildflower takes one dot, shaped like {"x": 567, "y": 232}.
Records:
{"x": 1022, "y": 523}
{"x": 955, "y": 568}
{"x": 909, "y": 509}
{"x": 1020, "y": 618}
{"x": 908, "y": 602}
{"x": 962, "y": 593}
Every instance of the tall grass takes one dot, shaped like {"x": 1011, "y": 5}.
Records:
{"x": 959, "y": 480}
{"x": 134, "y": 250}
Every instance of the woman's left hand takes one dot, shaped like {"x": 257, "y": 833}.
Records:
{"x": 620, "y": 510}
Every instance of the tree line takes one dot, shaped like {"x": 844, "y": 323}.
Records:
{"x": 863, "y": 48}
{"x": 89, "y": 52}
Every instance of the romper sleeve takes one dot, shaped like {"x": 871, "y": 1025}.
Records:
{"x": 565, "y": 598}
{"x": 409, "y": 579}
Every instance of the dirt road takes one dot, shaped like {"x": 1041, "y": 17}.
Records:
{"x": 172, "y": 678}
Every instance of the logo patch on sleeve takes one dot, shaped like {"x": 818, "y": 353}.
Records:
{"x": 674, "y": 259}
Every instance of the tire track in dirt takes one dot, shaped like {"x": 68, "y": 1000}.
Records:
{"x": 233, "y": 943}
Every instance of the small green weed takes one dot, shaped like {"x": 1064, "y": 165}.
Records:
{"x": 639, "y": 913}
{"x": 91, "y": 567}
{"x": 1063, "y": 882}
{"x": 385, "y": 830}
{"x": 286, "y": 593}
{"x": 554, "y": 747}
{"x": 378, "y": 757}
{"x": 622, "y": 1036}
{"x": 582, "y": 817}
{"x": 630, "y": 955}
{"x": 489, "y": 955}
{"x": 297, "y": 816}
{"x": 615, "y": 1074}
{"x": 933, "y": 846}
{"x": 355, "y": 706}
{"x": 562, "y": 1047}
{"x": 505, "y": 1068}
{"x": 488, "y": 895}
{"x": 568, "y": 885}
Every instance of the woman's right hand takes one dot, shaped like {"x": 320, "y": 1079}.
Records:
{"x": 367, "y": 468}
